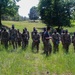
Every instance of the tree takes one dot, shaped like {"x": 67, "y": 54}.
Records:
{"x": 33, "y": 15}
{"x": 45, "y": 9}
{"x": 8, "y": 7}
{"x": 56, "y": 12}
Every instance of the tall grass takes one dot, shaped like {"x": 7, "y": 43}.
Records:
{"x": 25, "y": 62}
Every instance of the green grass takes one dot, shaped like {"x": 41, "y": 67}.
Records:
{"x": 25, "y": 62}
{"x": 22, "y": 24}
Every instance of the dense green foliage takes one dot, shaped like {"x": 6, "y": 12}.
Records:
{"x": 56, "y": 12}
{"x": 33, "y": 15}
{"x": 8, "y": 7}
{"x": 25, "y": 62}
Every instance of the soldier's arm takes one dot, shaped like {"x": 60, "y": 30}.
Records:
{"x": 1, "y": 35}
{"x": 53, "y": 37}
{"x": 7, "y": 35}
{"x": 69, "y": 38}
{"x": 59, "y": 37}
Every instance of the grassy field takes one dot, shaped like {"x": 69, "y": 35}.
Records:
{"x": 25, "y": 62}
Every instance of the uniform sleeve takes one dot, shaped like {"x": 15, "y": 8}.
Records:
{"x": 69, "y": 38}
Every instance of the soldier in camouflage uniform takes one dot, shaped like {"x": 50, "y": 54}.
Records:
{"x": 62, "y": 37}
{"x": 13, "y": 35}
{"x": 36, "y": 41}
{"x": 27, "y": 32}
{"x": 73, "y": 41}
{"x": 48, "y": 46}
{"x": 32, "y": 35}
{"x": 43, "y": 38}
{"x": 24, "y": 39}
{"x": 9, "y": 32}
{"x": 67, "y": 41}
{"x": 19, "y": 37}
{"x": 2, "y": 30}
{"x": 55, "y": 40}
{"x": 5, "y": 37}
{"x": 33, "y": 32}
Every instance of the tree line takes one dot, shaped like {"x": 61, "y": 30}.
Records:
{"x": 51, "y": 12}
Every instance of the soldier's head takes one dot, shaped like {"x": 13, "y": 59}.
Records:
{"x": 44, "y": 29}
{"x": 63, "y": 31}
{"x": 66, "y": 31}
{"x": 12, "y": 26}
{"x": 25, "y": 29}
{"x": 4, "y": 29}
{"x": 55, "y": 31}
{"x": 34, "y": 29}
{"x": 48, "y": 29}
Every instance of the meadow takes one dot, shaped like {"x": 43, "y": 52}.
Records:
{"x": 25, "y": 62}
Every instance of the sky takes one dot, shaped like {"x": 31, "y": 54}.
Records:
{"x": 25, "y": 6}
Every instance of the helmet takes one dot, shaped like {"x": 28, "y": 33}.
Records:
{"x": 12, "y": 25}
{"x": 44, "y": 29}
{"x": 66, "y": 31}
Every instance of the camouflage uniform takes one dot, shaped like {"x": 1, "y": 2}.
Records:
{"x": 73, "y": 40}
{"x": 24, "y": 39}
{"x": 13, "y": 35}
{"x": 19, "y": 37}
{"x": 43, "y": 38}
{"x": 55, "y": 40}
{"x": 5, "y": 37}
{"x": 9, "y": 32}
{"x": 33, "y": 33}
{"x": 27, "y": 32}
{"x": 48, "y": 46}
{"x": 67, "y": 41}
{"x": 36, "y": 41}
{"x": 32, "y": 36}
{"x": 62, "y": 38}
{"x": 2, "y": 30}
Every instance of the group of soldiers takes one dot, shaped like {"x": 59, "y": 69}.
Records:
{"x": 56, "y": 38}
{"x": 15, "y": 38}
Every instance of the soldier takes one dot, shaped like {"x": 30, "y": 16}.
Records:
{"x": 19, "y": 37}
{"x": 73, "y": 41}
{"x": 43, "y": 38}
{"x": 55, "y": 40}
{"x": 5, "y": 37}
{"x": 48, "y": 46}
{"x": 27, "y": 32}
{"x": 2, "y": 30}
{"x": 32, "y": 35}
{"x": 62, "y": 37}
{"x": 24, "y": 39}
{"x": 13, "y": 35}
{"x": 36, "y": 41}
{"x": 67, "y": 41}
{"x": 33, "y": 32}
{"x": 9, "y": 32}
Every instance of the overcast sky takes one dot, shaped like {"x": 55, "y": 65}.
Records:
{"x": 25, "y": 6}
